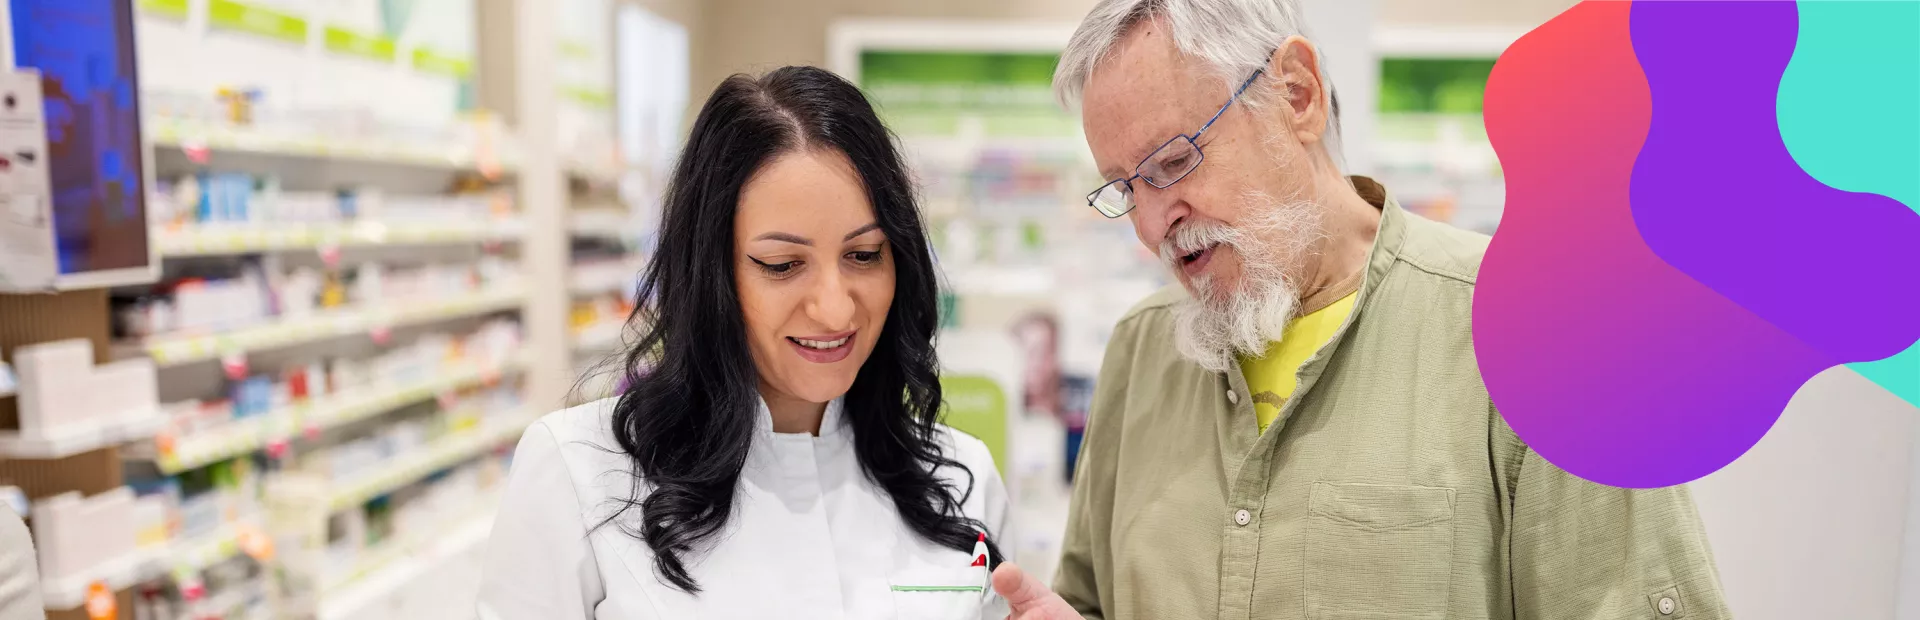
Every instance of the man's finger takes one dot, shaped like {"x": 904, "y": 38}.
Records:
{"x": 1023, "y": 592}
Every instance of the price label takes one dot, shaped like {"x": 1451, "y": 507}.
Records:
{"x": 381, "y": 334}
{"x": 192, "y": 589}
{"x": 234, "y": 364}
{"x": 445, "y": 400}
{"x": 196, "y": 150}
{"x": 256, "y": 544}
{"x": 330, "y": 254}
{"x": 165, "y": 444}
{"x": 277, "y": 449}
{"x": 101, "y": 604}
{"x": 311, "y": 432}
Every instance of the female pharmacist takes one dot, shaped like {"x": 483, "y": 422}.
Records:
{"x": 776, "y": 454}
{"x": 19, "y": 581}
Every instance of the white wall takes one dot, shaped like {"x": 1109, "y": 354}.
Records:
{"x": 1810, "y": 523}
{"x": 1343, "y": 30}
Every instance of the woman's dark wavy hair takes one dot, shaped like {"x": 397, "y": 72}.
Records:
{"x": 687, "y": 416}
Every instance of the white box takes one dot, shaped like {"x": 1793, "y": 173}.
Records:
{"x": 76, "y": 535}
{"x": 62, "y": 393}
{"x": 53, "y": 379}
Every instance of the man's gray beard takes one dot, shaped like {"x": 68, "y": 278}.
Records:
{"x": 1213, "y": 327}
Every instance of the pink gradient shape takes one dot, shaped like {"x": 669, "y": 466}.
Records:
{"x": 1604, "y": 359}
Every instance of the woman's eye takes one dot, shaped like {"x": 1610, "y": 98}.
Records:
{"x": 865, "y": 258}
{"x": 776, "y": 268}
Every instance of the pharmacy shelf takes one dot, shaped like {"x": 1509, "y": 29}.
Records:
{"x": 196, "y": 554}
{"x": 184, "y": 134}
{"x": 214, "y": 239}
{"x": 600, "y": 223}
{"x": 393, "y": 572}
{"x": 600, "y": 337}
{"x": 594, "y": 173}
{"x": 442, "y": 454}
{"x": 253, "y": 434}
{"x": 607, "y": 276}
{"x": 82, "y": 438}
{"x": 70, "y": 592}
{"x": 172, "y": 349}
{"x": 1003, "y": 280}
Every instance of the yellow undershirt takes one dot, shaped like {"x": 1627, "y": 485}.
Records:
{"x": 1271, "y": 379}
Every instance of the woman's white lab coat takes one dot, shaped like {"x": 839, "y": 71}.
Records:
{"x": 810, "y": 536}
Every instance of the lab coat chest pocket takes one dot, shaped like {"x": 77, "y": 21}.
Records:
{"x": 938, "y": 593}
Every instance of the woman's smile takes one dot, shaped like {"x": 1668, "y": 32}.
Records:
{"x": 824, "y": 349}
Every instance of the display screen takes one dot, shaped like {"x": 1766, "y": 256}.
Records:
{"x": 84, "y": 51}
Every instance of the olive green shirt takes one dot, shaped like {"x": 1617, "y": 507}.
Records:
{"x": 1388, "y": 488}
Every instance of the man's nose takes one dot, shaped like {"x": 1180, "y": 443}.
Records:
{"x": 1157, "y": 211}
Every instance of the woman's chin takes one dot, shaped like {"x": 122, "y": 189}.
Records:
{"x": 821, "y": 389}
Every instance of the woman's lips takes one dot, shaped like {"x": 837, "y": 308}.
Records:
{"x": 836, "y": 347}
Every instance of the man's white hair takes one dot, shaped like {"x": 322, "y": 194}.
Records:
{"x": 1234, "y": 38}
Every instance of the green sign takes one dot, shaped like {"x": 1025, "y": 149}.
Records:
{"x": 575, "y": 50}
{"x": 349, "y": 42}
{"x": 243, "y": 17}
{"x": 429, "y": 61}
{"x": 879, "y": 68}
{"x": 169, "y": 8}
{"x": 591, "y": 97}
{"x": 976, "y": 405}
{"x": 1452, "y": 86}
{"x": 935, "y": 93}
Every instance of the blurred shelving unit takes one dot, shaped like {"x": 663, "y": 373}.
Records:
{"x": 361, "y": 302}
{"x": 1431, "y": 147}
{"x": 407, "y": 564}
{"x": 191, "y": 346}
{"x": 200, "y": 136}
{"x": 215, "y": 239}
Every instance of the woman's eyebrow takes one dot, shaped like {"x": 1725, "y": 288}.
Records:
{"x": 787, "y": 237}
{"x": 861, "y": 231}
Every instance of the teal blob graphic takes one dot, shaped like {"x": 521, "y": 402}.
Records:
{"x": 1849, "y": 112}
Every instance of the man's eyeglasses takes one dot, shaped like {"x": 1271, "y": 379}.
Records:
{"x": 1173, "y": 161}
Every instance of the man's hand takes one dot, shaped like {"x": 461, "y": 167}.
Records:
{"x": 1029, "y": 599}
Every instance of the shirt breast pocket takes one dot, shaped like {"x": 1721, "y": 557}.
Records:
{"x": 1378, "y": 552}
{"x": 940, "y": 593}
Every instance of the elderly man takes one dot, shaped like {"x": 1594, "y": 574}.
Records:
{"x": 1300, "y": 429}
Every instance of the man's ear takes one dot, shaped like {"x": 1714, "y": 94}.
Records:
{"x": 1308, "y": 103}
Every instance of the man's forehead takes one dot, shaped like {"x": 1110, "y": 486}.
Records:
{"x": 1141, "y": 94}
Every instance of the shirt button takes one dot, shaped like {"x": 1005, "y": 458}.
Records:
{"x": 1233, "y": 398}
{"x": 1666, "y": 606}
{"x": 1242, "y": 517}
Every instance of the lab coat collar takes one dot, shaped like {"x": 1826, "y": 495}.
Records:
{"x": 830, "y": 422}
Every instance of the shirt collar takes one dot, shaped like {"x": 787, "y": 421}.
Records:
{"x": 830, "y": 422}
{"x": 1313, "y": 301}
{"x": 1388, "y": 240}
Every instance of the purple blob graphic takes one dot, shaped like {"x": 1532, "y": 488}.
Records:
{"x": 1717, "y": 195}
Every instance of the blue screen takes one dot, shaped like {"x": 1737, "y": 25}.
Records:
{"x": 85, "y": 53}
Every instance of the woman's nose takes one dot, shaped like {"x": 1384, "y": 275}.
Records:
{"x": 831, "y": 303}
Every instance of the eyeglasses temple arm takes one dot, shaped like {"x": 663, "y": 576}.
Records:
{"x": 1230, "y": 100}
